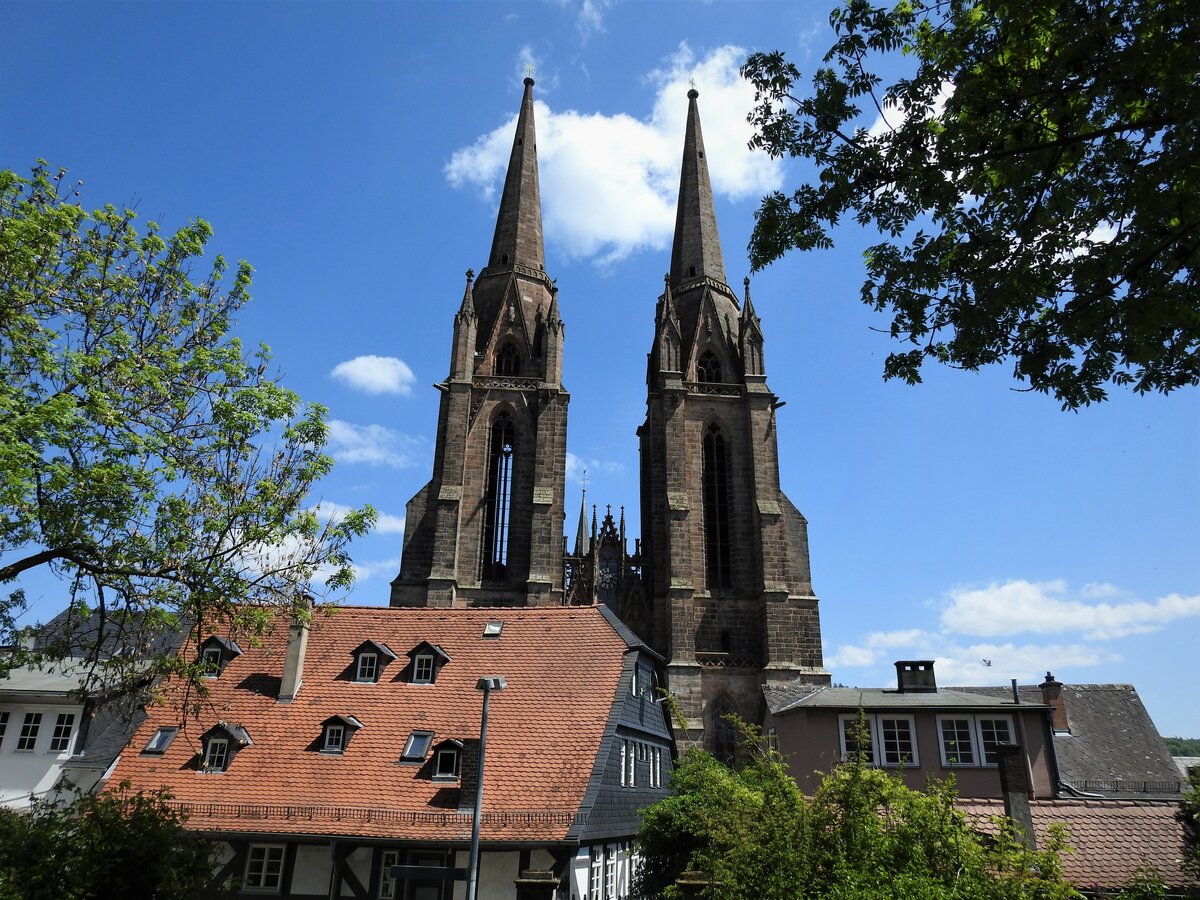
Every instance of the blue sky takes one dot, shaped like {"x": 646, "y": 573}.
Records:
{"x": 352, "y": 153}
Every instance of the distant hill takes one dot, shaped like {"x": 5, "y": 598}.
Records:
{"x": 1183, "y": 746}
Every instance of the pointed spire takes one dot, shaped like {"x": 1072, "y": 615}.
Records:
{"x": 518, "y": 238}
{"x": 581, "y": 531}
{"x": 748, "y": 314}
{"x": 468, "y": 301}
{"x": 697, "y": 248}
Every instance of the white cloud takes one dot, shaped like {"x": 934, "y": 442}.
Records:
{"x": 591, "y": 16}
{"x": 376, "y": 375}
{"x": 384, "y": 567}
{"x": 576, "y": 465}
{"x": 385, "y": 523}
{"x": 372, "y": 444}
{"x": 609, "y": 182}
{"x": 1047, "y": 607}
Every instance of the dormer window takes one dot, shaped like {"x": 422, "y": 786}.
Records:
{"x": 427, "y": 661}
{"x": 368, "y": 667}
{"x": 215, "y": 654}
{"x": 416, "y": 746}
{"x": 336, "y": 732}
{"x": 446, "y": 761}
{"x": 370, "y": 659}
{"x": 220, "y": 744}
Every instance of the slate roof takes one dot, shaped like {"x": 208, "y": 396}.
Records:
{"x": 1113, "y": 748}
{"x": 563, "y": 666}
{"x": 1111, "y": 838}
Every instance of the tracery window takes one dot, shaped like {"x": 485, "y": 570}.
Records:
{"x": 708, "y": 368}
{"x": 499, "y": 496}
{"x": 508, "y": 360}
{"x": 716, "y": 506}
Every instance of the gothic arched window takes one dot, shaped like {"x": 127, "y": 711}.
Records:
{"x": 508, "y": 360}
{"x": 708, "y": 367}
{"x": 725, "y": 734}
{"x": 499, "y": 496}
{"x": 716, "y": 506}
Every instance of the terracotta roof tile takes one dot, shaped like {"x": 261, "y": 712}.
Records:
{"x": 1110, "y": 838}
{"x": 562, "y": 666}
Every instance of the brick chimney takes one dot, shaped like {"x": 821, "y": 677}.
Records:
{"x": 1052, "y": 696}
{"x": 293, "y": 664}
{"x": 915, "y": 676}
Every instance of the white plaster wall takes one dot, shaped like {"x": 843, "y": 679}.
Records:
{"x": 580, "y": 872}
{"x": 360, "y": 864}
{"x": 312, "y": 870}
{"x": 33, "y": 772}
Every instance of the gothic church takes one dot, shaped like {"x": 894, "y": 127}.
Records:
{"x": 719, "y": 583}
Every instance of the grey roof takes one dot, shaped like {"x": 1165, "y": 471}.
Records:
{"x": 1113, "y": 748}
{"x": 58, "y": 677}
{"x": 890, "y": 698}
{"x": 1184, "y": 763}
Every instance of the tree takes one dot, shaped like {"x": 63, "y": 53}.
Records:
{"x": 144, "y": 456}
{"x": 115, "y": 844}
{"x": 864, "y": 834}
{"x": 1035, "y": 179}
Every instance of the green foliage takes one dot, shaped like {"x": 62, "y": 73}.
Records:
{"x": 1189, "y": 814}
{"x": 1144, "y": 884}
{"x": 145, "y": 457}
{"x": 1035, "y": 179}
{"x": 116, "y": 844}
{"x": 864, "y": 834}
{"x": 1180, "y": 746}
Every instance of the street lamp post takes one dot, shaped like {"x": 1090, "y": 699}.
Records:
{"x": 487, "y": 684}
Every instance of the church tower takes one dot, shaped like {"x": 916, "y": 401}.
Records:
{"x": 725, "y": 553}
{"x": 487, "y": 527}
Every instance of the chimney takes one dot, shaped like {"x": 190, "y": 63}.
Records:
{"x": 1014, "y": 785}
{"x": 915, "y": 676}
{"x": 293, "y": 665}
{"x": 1052, "y": 696}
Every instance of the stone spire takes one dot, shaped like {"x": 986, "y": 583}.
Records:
{"x": 582, "y": 545}
{"x": 697, "y": 248}
{"x": 518, "y": 238}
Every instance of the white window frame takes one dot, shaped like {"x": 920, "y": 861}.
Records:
{"x": 423, "y": 668}
{"x": 216, "y": 755}
{"x": 366, "y": 669}
{"x": 258, "y": 875}
{"x": 597, "y": 872}
{"x": 877, "y": 754}
{"x": 64, "y": 733}
{"x": 881, "y": 752}
{"x": 27, "y": 739}
{"x": 610, "y": 871}
{"x": 994, "y": 717}
{"x": 4, "y": 716}
{"x": 387, "y": 884}
{"x": 335, "y": 738}
{"x": 211, "y": 659}
{"x": 972, "y": 741}
{"x": 632, "y": 764}
{"x": 624, "y": 750}
{"x": 975, "y": 724}
{"x": 450, "y": 753}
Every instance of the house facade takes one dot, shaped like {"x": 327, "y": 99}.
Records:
{"x": 331, "y": 754}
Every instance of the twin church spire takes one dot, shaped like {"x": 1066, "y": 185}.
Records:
{"x": 720, "y": 586}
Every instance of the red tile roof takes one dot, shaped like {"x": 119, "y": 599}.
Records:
{"x": 1111, "y": 838}
{"x": 562, "y": 665}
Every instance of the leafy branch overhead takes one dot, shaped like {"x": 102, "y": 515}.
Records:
{"x": 1035, "y": 180}
{"x": 145, "y": 456}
